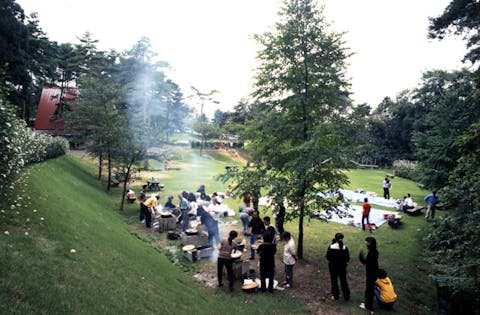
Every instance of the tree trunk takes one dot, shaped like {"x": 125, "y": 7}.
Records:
{"x": 300, "y": 232}
{"x": 109, "y": 166}
{"x": 100, "y": 165}
{"x": 125, "y": 181}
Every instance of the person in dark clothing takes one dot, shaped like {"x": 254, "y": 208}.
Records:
{"x": 142, "y": 196}
{"x": 256, "y": 228}
{"x": 371, "y": 268}
{"x": 225, "y": 249}
{"x": 201, "y": 189}
{"x": 338, "y": 257}
{"x": 280, "y": 218}
{"x": 269, "y": 228}
{"x": 267, "y": 251}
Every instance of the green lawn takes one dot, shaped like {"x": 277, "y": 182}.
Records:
{"x": 116, "y": 270}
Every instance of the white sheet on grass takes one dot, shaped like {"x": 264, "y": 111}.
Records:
{"x": 376, "y": 216}
{"x": 373, "y": 199}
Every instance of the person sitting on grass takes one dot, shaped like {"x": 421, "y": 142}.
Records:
{"x": 384, "y": 292}
{"x": 408, "y": 203}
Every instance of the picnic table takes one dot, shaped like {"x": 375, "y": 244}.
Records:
{"x": 154, "y": 184}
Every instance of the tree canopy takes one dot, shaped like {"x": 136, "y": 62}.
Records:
{"x": 302, "y": 93}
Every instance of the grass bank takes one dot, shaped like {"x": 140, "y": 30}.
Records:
{"x": 66, "y": 250}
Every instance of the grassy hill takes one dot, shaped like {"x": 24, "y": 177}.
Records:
{"x": 61, "y": 207}
{"x": 115, "y": 268}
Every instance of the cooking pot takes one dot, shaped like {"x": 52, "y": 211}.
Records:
{"x": 191, "y": 232}
{"x": 188, "y": 247}
{"x": 250, "y": 288}
{"x": 236, "y": 255}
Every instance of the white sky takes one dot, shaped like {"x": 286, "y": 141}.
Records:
{"x": 208, "y": 43}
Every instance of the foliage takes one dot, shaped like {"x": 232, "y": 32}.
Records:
{"x": 454, "y": 243}
{"x": 26, "y": 54}
{"x": 20, "y": 146}
{"x": 406, "y": 169}
{"x": 451, "y": 106}
{"x": 391, "y": 127}
{"x": 460, "y": 17}
{"x": 301, "y": 91}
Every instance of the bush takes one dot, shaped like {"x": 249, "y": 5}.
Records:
{"x": 11, "y": 159}
{"x": 406, "y": 169}
{"x": 20, "y": 146}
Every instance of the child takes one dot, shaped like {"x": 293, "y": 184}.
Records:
{"x": 384, "y": 292}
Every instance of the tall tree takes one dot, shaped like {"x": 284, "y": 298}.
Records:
{"x": 302, "y": 92}
{"x": 26, "y": 57}
{"x": 460, "y": 17}
{"x": 203, "y": 98}
{"x": 453, "y": 107}
{"x": 454, "y": 241}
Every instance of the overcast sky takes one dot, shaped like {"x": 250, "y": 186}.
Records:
{"x": 208, "y": 43}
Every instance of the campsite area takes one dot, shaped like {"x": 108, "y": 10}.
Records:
{"x": 117, "y": 264}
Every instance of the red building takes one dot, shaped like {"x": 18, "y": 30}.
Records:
{"x": 53, "y": 101}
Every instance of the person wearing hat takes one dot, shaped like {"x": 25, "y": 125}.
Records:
{"x": 338, "y": 258}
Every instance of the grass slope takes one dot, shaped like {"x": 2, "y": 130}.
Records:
{"x": 61, "y": 207}
{"x": 116, "y": 270}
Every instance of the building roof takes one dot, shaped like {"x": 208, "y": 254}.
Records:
{"x": 45, "y": 118}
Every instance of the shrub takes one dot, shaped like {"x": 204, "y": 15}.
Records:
{"x": 406, "y": 169}
{"x": 20, "y": 146}
{"x": 11, "y": 159}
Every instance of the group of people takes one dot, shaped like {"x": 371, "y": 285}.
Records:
{"x": 207, "y": 207}
{"x": 378, "y": 285}
{"x": 266, "y": 250}
{"x": 407, "y": 203}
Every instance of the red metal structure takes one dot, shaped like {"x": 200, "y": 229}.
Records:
{"x": 53, "y": 101}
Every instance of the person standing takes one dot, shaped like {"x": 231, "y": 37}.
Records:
{"x": 256, "y": 228}
{"x": 338, "y": 257}
{"x": 184, "y": 206}
{"x": 151, "y": 204}
{"x": 267, "y": 251}
{"x": 215, "y": 209}
{"x": 289, "y": 259}
{"x": 386, "y": 188}
{"x": 245, "y": 214}
{"x": 366, "y": 214}
{"x": 371, "y": 268}
{"x": 225, "y": 250}
{"x": 270, "y": 228}
{"x": 142, "y": 197}
{"x": 431, "y": 200}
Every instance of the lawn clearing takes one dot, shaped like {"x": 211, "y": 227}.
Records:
{"x": 116, "y": 267}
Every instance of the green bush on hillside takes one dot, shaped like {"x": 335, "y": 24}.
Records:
{"x": 405, "y": 169}
{"x": 19, "y": 145}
